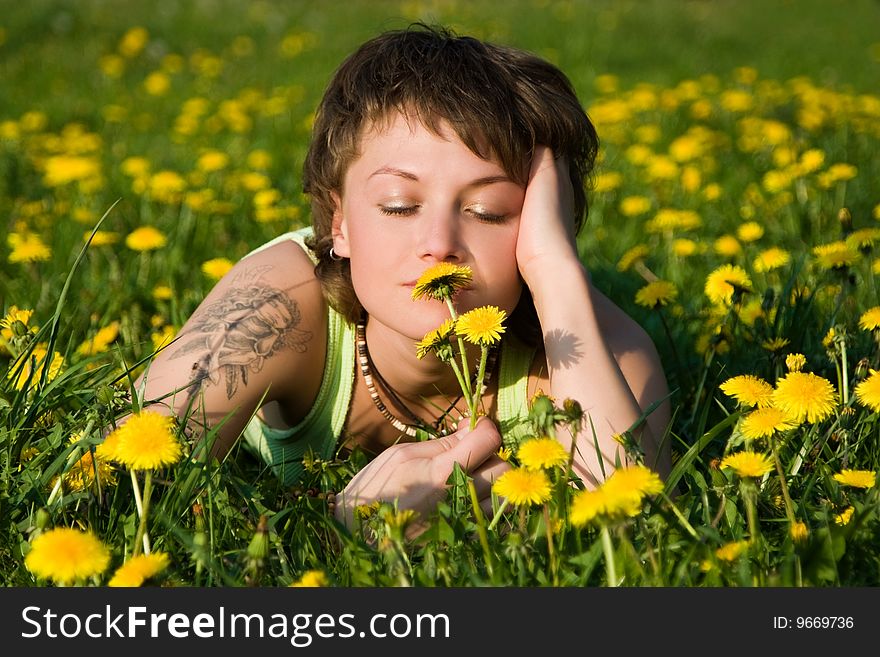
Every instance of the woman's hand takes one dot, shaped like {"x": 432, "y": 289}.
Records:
{"x": 415, "y": 474}
{"x": 546, "y": 229}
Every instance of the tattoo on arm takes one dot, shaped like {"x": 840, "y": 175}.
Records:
{"x": 240, "y": 332}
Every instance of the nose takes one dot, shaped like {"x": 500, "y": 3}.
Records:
{"x": 439, "y": 238}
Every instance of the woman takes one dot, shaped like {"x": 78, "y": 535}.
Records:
{"x": 427, "y": 148}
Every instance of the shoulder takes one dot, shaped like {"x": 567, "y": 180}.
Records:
{"x": 271, "y": 304}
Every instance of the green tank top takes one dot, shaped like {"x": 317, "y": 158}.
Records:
{"x": 319, "y": 431}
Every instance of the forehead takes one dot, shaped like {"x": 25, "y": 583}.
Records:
{"x": 407, "y": 132}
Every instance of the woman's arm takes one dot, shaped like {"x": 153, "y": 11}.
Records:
{"x": 582, "y": 365}
{"x": 258, "y": 336}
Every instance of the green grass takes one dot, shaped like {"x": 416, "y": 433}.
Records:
{"x": 817, "y": 66}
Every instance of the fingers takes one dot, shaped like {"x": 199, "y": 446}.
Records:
{"x": 485, "y": 475}
{"x": 541, "y": 158}
{"x": 469, "y": 449}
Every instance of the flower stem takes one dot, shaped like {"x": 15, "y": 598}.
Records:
{"x": 462, "y": 352}
{"x": 481, "y": 527}
{"x": 478, "y": 387}
{"x": 749, "y": 492}
{"x": 142, "y": 534}
{"x": 551, "y": 552}
{"x": 789, "y": 507}
{"x": 608, "y": 549}
{"x": 497, "y": 515}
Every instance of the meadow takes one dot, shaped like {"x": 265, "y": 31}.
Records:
{"x": 734, "y": 213}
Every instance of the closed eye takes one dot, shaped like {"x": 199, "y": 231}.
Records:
{"x": 488, "y": 217}
{"x": 398, "y": 210}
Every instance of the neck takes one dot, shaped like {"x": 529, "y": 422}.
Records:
{"x": 394, "y": 357}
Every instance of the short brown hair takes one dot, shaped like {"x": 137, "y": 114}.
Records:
{"x": 507, "y": 99}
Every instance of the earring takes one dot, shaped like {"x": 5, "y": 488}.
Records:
{"x": 333, "y": 255}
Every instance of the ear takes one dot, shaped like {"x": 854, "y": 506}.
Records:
{"x": 339, "y": 228}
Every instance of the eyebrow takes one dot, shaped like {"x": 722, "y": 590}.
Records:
{"x": 479, "y": 182}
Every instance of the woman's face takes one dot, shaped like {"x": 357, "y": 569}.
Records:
{"x": 414, "y": 198}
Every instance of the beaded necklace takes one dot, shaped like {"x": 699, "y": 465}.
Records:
{"x": 410, "y": 430}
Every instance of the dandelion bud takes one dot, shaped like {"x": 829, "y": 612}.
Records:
{"x": 43, "y": 519}
{"x": 573, "y": 411}
{"x": 259, "y": 545}
{"x": 541, "y": 414}
{"x": 18, "y": 328}
{"x": 863, "y": 368}
{"x": 105, "y": 395}
{"x": 845, "y": 219}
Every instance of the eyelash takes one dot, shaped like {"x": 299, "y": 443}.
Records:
{"x": 411, "y": 210}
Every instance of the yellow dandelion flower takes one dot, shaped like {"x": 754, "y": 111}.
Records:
{"x": 868, "y": 391}
{"x": 145, "y": 238}
{"x": 67, "y": 555}
{"x": 842, "y": 171}
{"x": 166, "y": 186}
{"x": 844, "y": 516}
{"x": 135, "y": 167}
{"x": 145, "y": 442}
{"x": 748, "y": 390}
{"x": 804, "y": 396}
{"x": 683, "y": 247}
{"x": 311, "y": 579}
{"x": 863, "y": 238}
{"x": 216, "y": 268}
{"x": 607, "y": 181}
{"x": 211, "y": 161}
{"x": 102, "y": 238}
{"x": 542, "y": 453}
{"x": 133, "y": 41}
{"x": 30, "y": 365}
{"x": 870, "y": 319}
{"x": 100, "y": 342}
{"x": 748, "y": 464}
{"x": 483, "y": 325}
{"x": 634, "y": 480}
{"x": 442, "y": 281}
{"x": 795, "y": 362}
{"x": 12, "y": 319}
{"x": 656, "y": 293}
{"x": 633, "y": 206}
{"x": 587, "y": 505}
{"x": 775, "y": 344}
{"x": 636, "y": 254}
{"x": 523, "y": 487}
{"x": 83, "y": 474}
{"x": 504, "y": 453}
{"x": 770, "y": 259}
{"x": 764, "y": 422}
{"x": 835, "y": 255}
{"x": 829, "y": 338}
{"x": 162, "y": 337}
{"x": 728, "y": 246}
{"x": 724, "y": 281}
{"x": 731, "y": 551}
{"x": 435, "y": 339}
{"x": 799, "y": 532}
{"x": 162, "y": 293}
{"x": 856, "y": 478}
{"x": 750, "y": 231}
{"x": 398, "y": 520}
{"x": 139, "y": 569}
{"x": 157, "y": 83}
{"x": 27, "y": 247}
{"x": 750, "y": 312}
